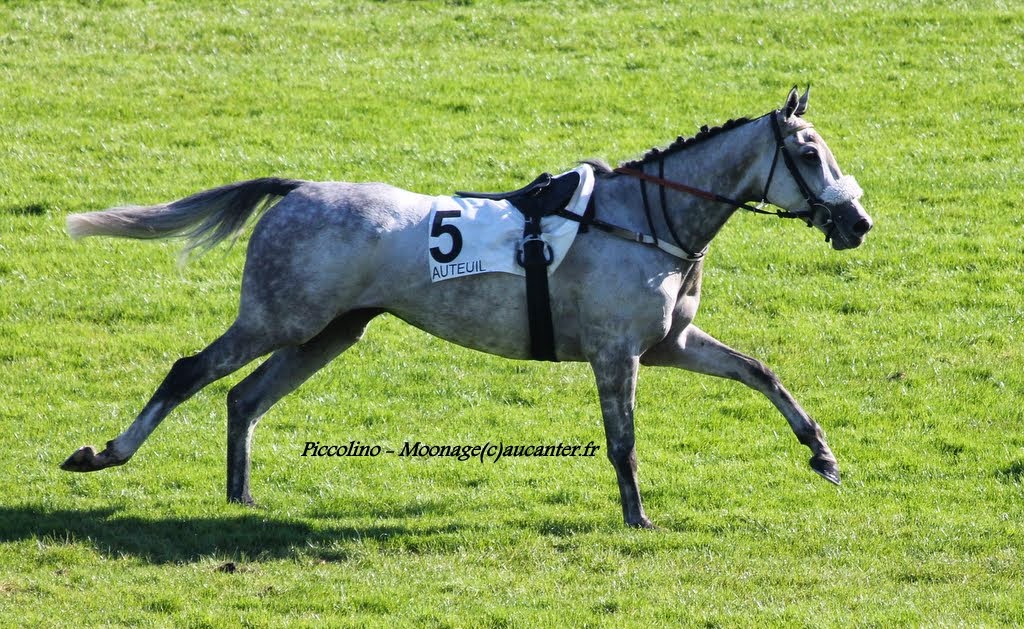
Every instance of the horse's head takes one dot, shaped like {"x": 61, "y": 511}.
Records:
{"x": 811, "y": 182}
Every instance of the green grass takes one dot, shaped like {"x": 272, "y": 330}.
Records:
{"x": 906, "y": 350}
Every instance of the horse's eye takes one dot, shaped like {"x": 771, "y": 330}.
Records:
{"x": 809, "y": 154}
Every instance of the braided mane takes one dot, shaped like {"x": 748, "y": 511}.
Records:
{"x": 681, "y": 143}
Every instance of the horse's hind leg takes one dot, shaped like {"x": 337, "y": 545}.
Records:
{"x": 231, "y": 351}
{"x": 278, "y": 376}
{"x": 695, "y": 350}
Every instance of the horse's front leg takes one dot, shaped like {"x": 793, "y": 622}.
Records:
{"x": 616, "y": 387}
{"x": 695, "y": 350}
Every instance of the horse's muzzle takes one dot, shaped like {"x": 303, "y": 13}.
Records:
{"x": 850, "y": 228}
{"x": 848, "y": 223}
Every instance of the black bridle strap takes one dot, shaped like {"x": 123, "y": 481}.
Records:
{"x": 813, "y": 200}
{"x": 676, "y": 250}
{"x": 647, "y": 209}
{"x": 664, "y": 202}
{"x": 791, "y": 165}
{"x": 589, "y": 220}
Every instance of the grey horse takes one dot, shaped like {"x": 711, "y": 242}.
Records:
{"x": 326, "y": 258}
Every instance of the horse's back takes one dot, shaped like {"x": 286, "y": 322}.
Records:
{"x": 359, "y": 209}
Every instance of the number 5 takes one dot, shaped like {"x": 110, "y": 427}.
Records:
{"x": 438, "y": 228}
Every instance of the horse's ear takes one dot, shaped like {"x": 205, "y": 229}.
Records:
{"x": 792, "y": 102}
{"x": 801, "y": 107}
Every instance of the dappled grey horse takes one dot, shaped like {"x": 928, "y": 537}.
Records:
{"x": 326, "y": 258}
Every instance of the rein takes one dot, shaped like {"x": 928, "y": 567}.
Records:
{"x": 710, "y": 196}
{"x": 677, "y": 249}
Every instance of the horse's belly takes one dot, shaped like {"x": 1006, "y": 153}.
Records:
{"x": 482, "y": 312}
{"x": 488, "y": 313}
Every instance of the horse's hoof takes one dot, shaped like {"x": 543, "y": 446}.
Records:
{"x": 244, "y": 500}
{"x": 82, "y": 460}
{"x": 826, "y": 468}
{"x": 642, "y": 524}
{"x": 86, "y": 459}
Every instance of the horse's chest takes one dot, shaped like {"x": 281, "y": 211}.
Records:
{"x": 688, "y": 297}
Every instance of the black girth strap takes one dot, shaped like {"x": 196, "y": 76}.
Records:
{"x": 535, "y": 256}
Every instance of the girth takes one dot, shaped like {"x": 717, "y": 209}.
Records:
{"x": 545, "y": 196}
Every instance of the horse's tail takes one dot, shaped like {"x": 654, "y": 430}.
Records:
{"x": 203, "y": 219}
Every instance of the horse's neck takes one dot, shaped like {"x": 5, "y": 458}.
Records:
{"x": 727, "y": 164}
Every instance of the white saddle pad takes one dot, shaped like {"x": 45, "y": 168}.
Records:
{"x": 470, "y": 236}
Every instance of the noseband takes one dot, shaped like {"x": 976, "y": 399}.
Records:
{"x": 846, "y": 189}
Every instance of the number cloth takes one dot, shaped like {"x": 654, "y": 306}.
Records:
{"x": 467, "y": 236}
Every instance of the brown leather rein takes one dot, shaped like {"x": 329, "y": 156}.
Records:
{"x": 678, "y": 250}
{"x": 704, "y": 194}
{"x": 780, "y": 148}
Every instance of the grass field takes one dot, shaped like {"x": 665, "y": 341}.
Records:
{"x": 907, "y": 351}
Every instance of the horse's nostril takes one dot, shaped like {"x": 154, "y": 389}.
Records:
{"x": 862, "y": 227}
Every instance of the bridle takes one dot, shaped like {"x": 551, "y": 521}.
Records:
{"x": 814, "y": 202}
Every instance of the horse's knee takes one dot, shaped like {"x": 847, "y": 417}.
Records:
{"x": 241, "y": 409}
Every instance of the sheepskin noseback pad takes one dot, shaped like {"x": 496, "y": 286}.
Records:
{"x": 844, "y": 191}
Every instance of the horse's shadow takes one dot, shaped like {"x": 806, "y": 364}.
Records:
{"x": 247, "y": 536}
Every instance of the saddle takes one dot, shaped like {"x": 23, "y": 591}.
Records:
{"x": 544, "y": 196}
